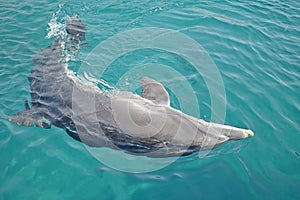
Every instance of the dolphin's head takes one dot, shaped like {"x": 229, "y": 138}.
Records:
{"x": 216, "y": 134}
{"x": 232, "y": 133}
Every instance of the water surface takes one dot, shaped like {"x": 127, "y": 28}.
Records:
{"x": 255, "y": 46}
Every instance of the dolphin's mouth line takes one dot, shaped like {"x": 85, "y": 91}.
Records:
{"x": 249, "y": 133}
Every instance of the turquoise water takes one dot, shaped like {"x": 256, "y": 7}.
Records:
{"x": 255, "y": 46}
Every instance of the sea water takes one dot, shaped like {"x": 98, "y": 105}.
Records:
{"x": 248, "y": 50}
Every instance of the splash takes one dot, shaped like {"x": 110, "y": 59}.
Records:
{"x": 57, "y": 24}
{"x": 57, "y": 29}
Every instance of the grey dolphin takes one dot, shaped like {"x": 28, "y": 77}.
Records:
{"x": 140, "y": 125}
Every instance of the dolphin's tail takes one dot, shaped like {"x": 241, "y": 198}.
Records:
{"x": 46, "y": 64}
{"x": 76, "y": 28}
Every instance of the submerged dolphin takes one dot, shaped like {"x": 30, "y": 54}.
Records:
{"x": 140, "y": 125}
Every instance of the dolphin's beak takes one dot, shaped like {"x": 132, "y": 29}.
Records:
{"x": 248, "y": 133}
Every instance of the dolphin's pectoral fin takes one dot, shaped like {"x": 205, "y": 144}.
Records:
{"x": 28, "y": 118}
{"x": 154, "y": 91}
{"x": 43, "y": 123}
{"x": 22, "y": 118}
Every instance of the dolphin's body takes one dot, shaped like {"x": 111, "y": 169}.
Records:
{"x": 140, "y": 125}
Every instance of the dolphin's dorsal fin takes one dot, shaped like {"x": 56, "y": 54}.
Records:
{"x": 154, "y": 91}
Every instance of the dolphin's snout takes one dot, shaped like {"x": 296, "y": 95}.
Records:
{"x": 248, "y": 133}
{"x": 233, "y": 133}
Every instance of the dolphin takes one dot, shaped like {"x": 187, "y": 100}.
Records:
{"x": 143, "y": 124}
